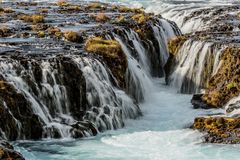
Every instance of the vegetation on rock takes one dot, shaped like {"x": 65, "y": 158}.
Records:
{"x": 141, "y": 18}
{"x": 32, "y": 18}
{"x": 112, "y": 54}
{"x": 101, "y": 17}
{"x": 73, "y": 36}
{"x": 219, "y": 129}
{"x": 226, "y": 83}
{"x": 175, "y": 44}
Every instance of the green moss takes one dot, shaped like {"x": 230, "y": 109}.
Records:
{"x": 98, "y": 45}
{"x": 95, "y": 5}
{"x": 141, "y": 18}
{"x": 126, "y": 9}
{"x": 175, "y": 44}
{"x": 219, "y": 129}
{"x": 219, "y": 92}
{"x": 41, "y": 34}
{"x": 232, "y": 85}
{"x": 120, "y": 19}
{"x": 112, "y": 54}
{"x": 37, "y": 19}
{"x": 56, "y": 32}
{"x": 62, "y": 3}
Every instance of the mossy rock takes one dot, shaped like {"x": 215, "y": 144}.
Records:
{"x": 95, "y": 5}
{"x": 73, "y": 36}
{"x": 175, "y": 44}
{"x": 141, "y": 18}
{"x": 5, "y": 32}
{"x": 32, "y": 18}
{"x": 225, "y": 84}
{"x": 219, "y": 129}
{"x": 101, "y": 17}
{"x": 112, "y": 54}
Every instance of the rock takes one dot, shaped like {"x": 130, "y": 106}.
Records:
{"x": 112, "y": 53}
{"x": 101, "y": 17}
{"x": 197, "y": 102}
{"x": 219, "y": 129}
{"x": 31, "y": 18}
{"x": 7, "y": 152}
{"x": 42, "y": 54}
{"x": 73, "y": 36}
{"x": 226, "y": 83}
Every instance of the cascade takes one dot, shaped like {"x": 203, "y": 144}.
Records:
{"x": 196, "y": 62}
{"x": 65, "y": 92}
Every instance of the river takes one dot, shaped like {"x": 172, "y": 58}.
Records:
{"x": 161, "y": 133}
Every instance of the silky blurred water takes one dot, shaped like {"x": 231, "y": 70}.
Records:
{"x": 161, "y": 134}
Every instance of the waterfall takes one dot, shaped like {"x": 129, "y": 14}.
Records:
{"x": 75, "y": 94}
{"x": 138, "y": 81}
{"x": 109, "y": 105}
{"x": 163, "y": 31}
{"x": 197, "y": 61}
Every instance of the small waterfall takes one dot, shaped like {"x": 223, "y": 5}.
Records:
{"x": 75, "y": 94}
{"x": 197, "y": 61}
{"x": 60, "y": 105}
{"x": 109, "y": 105}
{"x": 138, "y": 79}
{"x": 163, "y": 31}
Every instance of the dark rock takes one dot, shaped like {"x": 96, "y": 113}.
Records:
{"x": 7, "y": 151}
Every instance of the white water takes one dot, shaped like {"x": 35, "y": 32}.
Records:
{"x": 160, "y": 134}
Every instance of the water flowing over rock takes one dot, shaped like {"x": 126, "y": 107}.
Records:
{"x": 53, "y": 86}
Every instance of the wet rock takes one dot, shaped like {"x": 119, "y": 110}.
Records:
{"x": 46, "y": 42}
{"x": 112, "y": 53}
{"x": 7, "y": 151}
{"x": 219, "y": 129}
{"x": 81, "y": 128}
{"x": 226, "y": 83}
{"x": 73, "y": 37}
{"x": 197, "y": 102}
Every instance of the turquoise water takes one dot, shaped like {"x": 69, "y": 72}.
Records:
{"x": 161, "y": 134}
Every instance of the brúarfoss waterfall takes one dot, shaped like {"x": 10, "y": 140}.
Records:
{"x": 104, "y": 80}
